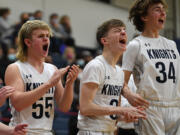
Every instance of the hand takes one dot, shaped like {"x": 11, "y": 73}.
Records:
{"x": 133, "y": 98}
{"x": 132, "y": 114}
{"x": 136, "y": 100}
{"x": 5, "y": 92}
{"x": 20, "y": 129}
{"x": 72, "y": 74}
{"x": 58, "y": 74}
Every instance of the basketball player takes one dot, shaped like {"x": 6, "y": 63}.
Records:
{"x": 37, "y": 83}
{"x": 5, "y": 92}
{"x": 155, "y": 59}
{"x": 102, "y": 82}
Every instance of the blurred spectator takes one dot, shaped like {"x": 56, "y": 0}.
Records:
{"x": 53, "y": 21}
{"x": 87, "y": 56}
{"x": 38, "y": 14}
{"x": 31, "y": 16}
{"x": 70, "y": 55}
{"x": 12, "y": 54}
{"x": 23, "y": 18}
{"x": 4, "y": 25}
{"x": 65, "y": 24}
{"x": 5, "y": 28}
{"x": 57, "y": 40}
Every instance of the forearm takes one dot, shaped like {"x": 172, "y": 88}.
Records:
{"x": 65, "y": 102}
{"x": 96, "y": 110}
{"x": 29, "y": 97}
{"x": 5, "y": 130}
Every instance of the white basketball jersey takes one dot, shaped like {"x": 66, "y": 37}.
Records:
{"x": 40, "y": 115}
{"x": 110, "y": 81}
{"x": 155, "y": 61}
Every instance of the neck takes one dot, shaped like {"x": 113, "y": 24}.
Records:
{"x": 112, "y": 59}
{"x": 35, "y": 61}
{"x": 151, "y": 33}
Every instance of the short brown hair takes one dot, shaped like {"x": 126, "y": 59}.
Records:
{"x": 104, "y": 28}
{"x": 139, "y": 9}
{"x": 26, "y": 32}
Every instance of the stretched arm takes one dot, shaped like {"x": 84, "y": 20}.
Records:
{"x": 64, "y": 96}
{"x": 133, "y": 98}
{"x": 88, "y": 108}
{"x": 18, "y": 130}
{"x": 13, "y": 78}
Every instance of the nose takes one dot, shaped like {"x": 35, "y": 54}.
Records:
{"x": 163, "y": 12}
{"x": 123, "y": 32}
{"x": 46, "y": 38}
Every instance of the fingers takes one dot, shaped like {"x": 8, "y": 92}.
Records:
{"x": 139, "y": 101}
{"x": 6, "y": 91}
{"x": 73, "y": 73}
{"x": 20, "y": 127}
{"x": 22, "y": 132}
{"x": 132, "y": 114}
{"x": 64, "y": 70}
{"x": 144, "y": 102}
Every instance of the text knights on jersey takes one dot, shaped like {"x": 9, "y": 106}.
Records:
{"x": 161, "y": 54}
{"x": 109, "y": 89}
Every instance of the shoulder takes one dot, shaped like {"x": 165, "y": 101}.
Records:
{"x": 12, "y": 67}
{"x": 95, "y": 63}
{"x": 168, "y": 40}
{"x": 12, "y": 71}
{"x": 134, "y": 44}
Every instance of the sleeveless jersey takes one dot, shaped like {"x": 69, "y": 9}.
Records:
{"x": 40, "y": 115}
{"x": 156, "y": 65}
{"x": 110, "y": 81}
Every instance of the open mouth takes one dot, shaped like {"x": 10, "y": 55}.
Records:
{"x": 161, "y": 21}
{"x": 45, "y": 47}
{"x": 122, "y": 41}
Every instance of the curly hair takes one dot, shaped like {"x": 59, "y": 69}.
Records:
{"x": 139, "y": 9}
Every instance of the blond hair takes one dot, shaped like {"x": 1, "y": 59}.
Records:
{"x": 26, "y": 32}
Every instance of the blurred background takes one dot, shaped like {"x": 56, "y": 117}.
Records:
{"x": 74, "y": 24}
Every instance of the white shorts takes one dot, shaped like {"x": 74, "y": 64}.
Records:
{"x": 84, "y": 132}
{"x": 160, "y": 121}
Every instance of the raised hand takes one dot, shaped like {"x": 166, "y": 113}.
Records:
{"x": 72, "y": 74}
{"x": 58, "y": 74}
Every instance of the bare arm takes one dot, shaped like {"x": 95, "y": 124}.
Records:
{"x": 133, "y": 98}
{"x": 64, "y": 96}
{"x": 88, "y": 108}
{"x": 13, "y": 78}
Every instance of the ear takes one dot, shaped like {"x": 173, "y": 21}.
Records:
{"x": 27, "y": 42}
{"x": 103, "y": 40}
{"x": 144, "y": 18}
